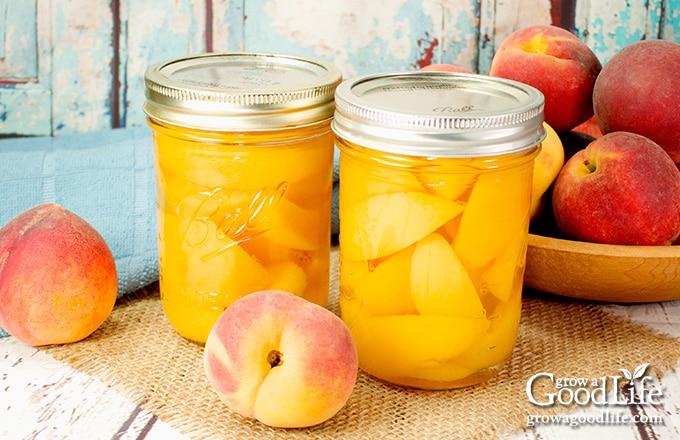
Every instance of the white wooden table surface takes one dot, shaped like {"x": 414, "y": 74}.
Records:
{"x": 42, "y": 398}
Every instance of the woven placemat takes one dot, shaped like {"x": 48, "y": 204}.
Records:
{"x": 137, "y": 352}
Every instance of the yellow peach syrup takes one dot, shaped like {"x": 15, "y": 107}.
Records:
{"x": 435, "y": 191}
{"x": 243, "y": 158}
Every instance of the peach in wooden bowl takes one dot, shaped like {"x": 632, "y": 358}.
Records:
{"x": 606, "y": 235}
{"x": 563, "y": 266}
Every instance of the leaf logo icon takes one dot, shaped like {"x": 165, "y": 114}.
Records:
{"x": 627, "y": 374}
{"x": 640, "y": 371}
{"x": 636, "y": 374}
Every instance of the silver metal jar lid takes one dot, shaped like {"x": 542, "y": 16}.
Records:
{"x": 440, "y": 114}
{"x": 240, "y": 91}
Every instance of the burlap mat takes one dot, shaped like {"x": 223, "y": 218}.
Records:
{"x": 137, "y": 352}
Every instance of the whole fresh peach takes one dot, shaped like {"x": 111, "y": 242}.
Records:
{"x": 547, "y": 166}
{"x": 621, "y": 189}
{"x": 638, "y": 91}
{"x": 443, "y": 67}
{"x": 557, "y": 63}
{"x": 58, "y": 280}
{"x": 280, "y": 359}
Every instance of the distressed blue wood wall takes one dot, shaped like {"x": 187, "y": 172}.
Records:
{"x": 77, "y": 65}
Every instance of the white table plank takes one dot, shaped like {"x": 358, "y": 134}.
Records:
{"x": 42, "y": 398}
{"x": 664, "y": 317}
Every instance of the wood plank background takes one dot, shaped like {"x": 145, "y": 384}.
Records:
{"x": 71, "y": 66}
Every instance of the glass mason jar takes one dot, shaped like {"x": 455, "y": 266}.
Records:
{"x": 435, "y": 187}
{"x": 243, "y": 158}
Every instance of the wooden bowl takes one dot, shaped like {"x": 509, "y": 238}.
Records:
{"x": 602, "y": 272}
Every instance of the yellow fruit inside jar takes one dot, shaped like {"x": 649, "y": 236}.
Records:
{"x": 243, "y": 155}
{"x": 431, "y": 277}
{"x": 435, "y": 189}
{"x": 238, "y": 213}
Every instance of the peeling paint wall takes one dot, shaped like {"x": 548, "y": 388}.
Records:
{"x": 77, "y": 65}
{"x": 607, "y": 25}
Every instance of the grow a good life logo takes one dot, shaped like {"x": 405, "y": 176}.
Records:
{"x": 630, "y": 388}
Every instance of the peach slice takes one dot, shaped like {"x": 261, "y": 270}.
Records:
{"x": 248, "y": 215}
{"x": 450, "y": 186}
{"x": 441, "y": 374}
{"x": 380, "y": 180}
{"x": 481, "y": 234}
{"x": 412, "y": 341}
{"x": 171, "y": 188}
{"x": 196, "y": 168}
{"x": 178, "y": 301}
{"x": 295, "y": 227}
{"x": 352, "y": 275}
{"x": 386, "y": 223}
{"x": 212, "y": 264}
{"x": 496, "y": 345}
{"x": 216, "y": 167}
{"x": 197, "y": 275}
{"x": 440, "y": 285}
{"x": 500, "y": 277}
{"x": 384, "y": 289}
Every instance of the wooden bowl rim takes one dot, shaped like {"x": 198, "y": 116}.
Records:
{"x": 598, "y": 249}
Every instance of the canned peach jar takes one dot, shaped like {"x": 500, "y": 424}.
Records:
{"x": 243, "y": 159}
{"x": 435, "y": 186}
